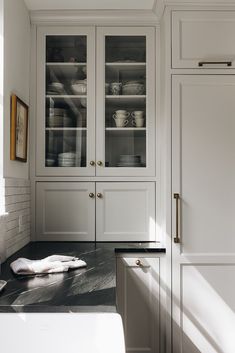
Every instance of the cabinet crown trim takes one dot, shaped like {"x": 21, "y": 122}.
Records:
{"x": 98, "y": 17}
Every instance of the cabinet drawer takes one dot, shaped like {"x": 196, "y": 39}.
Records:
{"x": 64, "y": 211}
{"x": 203, "y": 36}
{"x": 125, "y": 211}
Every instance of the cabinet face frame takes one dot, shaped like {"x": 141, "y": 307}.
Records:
{"x": 41, "y": 169}
{"x": 149, "y": 32}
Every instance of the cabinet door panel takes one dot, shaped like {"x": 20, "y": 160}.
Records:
{"x": 125, "y": 212}
{"x": 138, "y": 303}
{"x": 202, "y": 36}
{"x": 203, "y": 161}
{"x": 125, "y": 101}
{"x": 203, "y": 173}
{"x": 65, "y": 211}
{"x": 65, "y": 104}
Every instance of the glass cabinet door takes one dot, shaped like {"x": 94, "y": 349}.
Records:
{"x": 126, "y": 88}
{"x": 67, "y": 119}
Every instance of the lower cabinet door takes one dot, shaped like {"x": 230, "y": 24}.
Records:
{"x": 138, "y": 302}
{"x": 125, "y": 211}
{"x": 65, "y": 211}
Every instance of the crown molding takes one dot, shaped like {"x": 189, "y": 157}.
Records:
{"x": 98, "y": 17}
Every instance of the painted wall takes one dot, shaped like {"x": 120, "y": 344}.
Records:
{"x": 16, "y": 74}
{"x": 14, "y": 78}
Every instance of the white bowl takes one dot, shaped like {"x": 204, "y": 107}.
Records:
{"x": 133, "y": 89}
{"x": 79, "y": 88}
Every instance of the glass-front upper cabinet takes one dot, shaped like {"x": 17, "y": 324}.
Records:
{"x": 125, "y": 101}
{"x": 65, "y": 101}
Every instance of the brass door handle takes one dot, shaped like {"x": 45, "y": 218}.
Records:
{"x": 177, "y": 238}
{"x": 226, "y": 63}
{"x": 99, "y": 163}
{"x": 99, "y": 195}
{"x": 138, "y": 262}
{"x": 91, "y": 195}
{"x": 92, "y": 163}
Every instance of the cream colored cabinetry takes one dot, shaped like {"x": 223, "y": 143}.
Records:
{"x": 88, "y": 211}
{"x": 138, "y": 302}
{"x": 125, "y": 211}
{"x": 113, "y": 135}
{"x": 65, "y": 211}
{"x": 203, "y": 135}
{"x": 203, "y": 39}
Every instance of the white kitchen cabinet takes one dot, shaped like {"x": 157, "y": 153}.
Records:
{"x": 65, "y": 211}
{"x": 65, "y": 121}
{"x": 203, "y": 39}
{"x": 113, "y": 135}
{"x": 86, "y": 211}
{"x": 126, "y": 83}
{"x": 138, "y": 302}
{"x": 203, "y": 174}
{"x": 125, "y": 211}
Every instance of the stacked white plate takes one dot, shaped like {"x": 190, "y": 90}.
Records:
{"x": 130, "y": 160}
{"x": 69, "y": 159}
{"x": 55, "y": 88}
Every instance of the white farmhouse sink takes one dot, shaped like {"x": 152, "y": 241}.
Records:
{"x": 61, "y": 332}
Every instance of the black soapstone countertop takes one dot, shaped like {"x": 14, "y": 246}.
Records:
{"x": 90, "y": 289}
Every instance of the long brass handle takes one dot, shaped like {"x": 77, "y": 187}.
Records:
{"x": 177, "y": 238}
{"x": 202, "y": 63}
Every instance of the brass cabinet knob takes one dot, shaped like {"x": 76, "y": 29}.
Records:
{"x": 92, "y": 163}
{"x": 138, "y": 262}
{"x": 99, "y": 163}
{"x": 91, "y": 195}
{"x": 99, "y": 195}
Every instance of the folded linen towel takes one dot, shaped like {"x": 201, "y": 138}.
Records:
{"x": 50, "y": 264}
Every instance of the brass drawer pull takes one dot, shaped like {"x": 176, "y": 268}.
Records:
{"x": 138, "y": 263}
{"x": 176, "y": 238}
{"x": 202, "y": 63}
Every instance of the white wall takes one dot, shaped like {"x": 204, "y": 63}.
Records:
{"x": 14, "y": 175}
{"x": 16, "y": 74}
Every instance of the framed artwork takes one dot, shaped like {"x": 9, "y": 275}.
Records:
{"x": 19, "y": 129}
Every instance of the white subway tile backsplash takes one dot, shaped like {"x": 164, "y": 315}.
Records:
{"x": 15, "y": 203}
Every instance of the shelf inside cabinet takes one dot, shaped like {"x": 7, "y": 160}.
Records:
{"x": 126, "y": 132}
{"x": 66, "y": 128}
{"x": 72, "y": 96}
{"x": 125, "y": 128}
{"x": 125, "y": 96}
{"x": 65, "y": 64}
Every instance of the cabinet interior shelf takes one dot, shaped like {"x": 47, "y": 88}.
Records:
{"x": 66, "y": 96}
{"x": 125, "y": 128}
{"x": 125, "y": 96}
{"x": 65, "y": 64}
{"x": 65, "y": 128}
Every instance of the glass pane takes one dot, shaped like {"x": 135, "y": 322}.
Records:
{"x": 65, "y": 110}
{"x": 125, "y": 101}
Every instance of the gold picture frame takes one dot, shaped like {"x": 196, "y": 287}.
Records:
{"x": 19, "y": 129}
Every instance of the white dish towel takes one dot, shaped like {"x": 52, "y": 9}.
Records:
{"x": 51, "y": 264}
